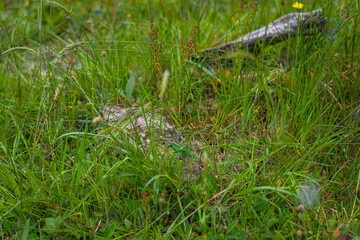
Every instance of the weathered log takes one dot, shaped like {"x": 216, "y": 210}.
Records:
{"x": 279, "y": 30}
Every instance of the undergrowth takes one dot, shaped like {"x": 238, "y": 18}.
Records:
{"x": 279, "y": 129}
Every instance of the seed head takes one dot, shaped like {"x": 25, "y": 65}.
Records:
{"x": 300, "y": 209}
{"x": 323, "y": 174}
{"x": 300, "y": 233}
{"x": 337, "y": 234}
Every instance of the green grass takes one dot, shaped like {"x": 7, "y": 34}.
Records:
{"x": 265, "y": 141}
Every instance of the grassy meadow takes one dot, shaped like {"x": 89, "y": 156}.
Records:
{"x": 277, "y": 131}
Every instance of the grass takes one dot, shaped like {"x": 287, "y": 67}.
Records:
{"x": 279, "y": 153}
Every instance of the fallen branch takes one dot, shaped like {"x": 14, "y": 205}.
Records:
{"x": 279, "y": 30}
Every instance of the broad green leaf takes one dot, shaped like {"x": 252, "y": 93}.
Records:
{"x": 130, "y": 87}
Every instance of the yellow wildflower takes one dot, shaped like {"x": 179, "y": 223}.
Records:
{"x": 298, "y": 5}
{"x": 27, "y": 3}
